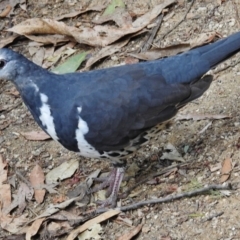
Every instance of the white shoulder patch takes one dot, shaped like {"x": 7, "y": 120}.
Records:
{"x": 86, "y": 150}
{"x": 46, "y": 117}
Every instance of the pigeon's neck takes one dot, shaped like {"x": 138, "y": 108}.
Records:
{"x": 31, "y": 76}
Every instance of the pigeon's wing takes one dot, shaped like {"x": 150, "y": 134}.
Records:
{"x": 123, "y": 108}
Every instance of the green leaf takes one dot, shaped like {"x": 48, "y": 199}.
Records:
{"x": 71, "y": 64}
{"x": 112, "y": 6}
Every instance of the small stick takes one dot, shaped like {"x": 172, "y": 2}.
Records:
{"x": 146, "y": 45}
{"x": 213, "y": 216}
{"x": 184, "y": 17}
{"x": 168, "y": 198}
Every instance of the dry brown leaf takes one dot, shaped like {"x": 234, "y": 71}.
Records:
{"x": 202, "y": 39}
{"x": 96, "y": 36}
{"x": 54, "y": 228}
{"x": 131, "y": 60}
{"x": 34, "y": 228}
{"x": 120, "y": 16}
{"x": 103, "y": 217}
{"x": 4, "y": 42}
{"x": 37, "y": 180}
{"x": 106, "y": 51}
{"x": 157, "y": 53}
{"x": 3, "y": 170}
{"x": 5, "y": 196}
{"x": 24, "y": 193}
{"x": 132, "y": 233}
{"x": 50, "y": 39}
{"x": 226, "y": 170}
{"x": 52, "y": 209}
{"x": 39, "y": 56}
{"x": 5, "y": 189}
{"x": 199, "y": 116}
{"x": 6, "y": 11}
{"x": 13, "y": 224}
{"x": 96, "y": 8}
{"x": 36, "y": 135}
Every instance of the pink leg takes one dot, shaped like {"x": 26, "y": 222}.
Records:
{"x": 114, "y": 181}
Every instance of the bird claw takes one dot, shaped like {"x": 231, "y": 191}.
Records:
{"x": 113, "y": 182}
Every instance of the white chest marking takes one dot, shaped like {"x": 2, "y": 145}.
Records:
{"x": 85, "y": 148}
{"x": 46, "y": 117}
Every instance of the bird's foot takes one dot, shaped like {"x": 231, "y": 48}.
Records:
{"x": 113, "y": 182}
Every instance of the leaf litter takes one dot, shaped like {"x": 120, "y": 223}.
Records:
{"x": 99, "y": 35}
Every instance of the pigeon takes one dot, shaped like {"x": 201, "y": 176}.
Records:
{"x": 111, "y": 113}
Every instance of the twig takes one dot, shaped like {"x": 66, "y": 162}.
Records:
{"x": 184, "y": 17}
{"x": 146, "y": 45}
{"x": 167, "y": 169}
{"x": 23, "y": 179}
{"x": 170, "y": 198}
{"x": 213, "y": 216}
{"x": 14, "y": 106}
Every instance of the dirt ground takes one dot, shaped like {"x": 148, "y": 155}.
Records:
{"x": 187, "y": 218}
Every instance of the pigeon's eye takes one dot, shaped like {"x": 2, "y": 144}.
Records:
{"x": 2, "y": 63}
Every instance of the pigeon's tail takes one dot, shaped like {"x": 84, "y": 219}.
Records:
{"x": 198, "y": 88}
{"x": 221, "y": 50}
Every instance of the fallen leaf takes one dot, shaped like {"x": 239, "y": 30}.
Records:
{"x": 54, "y": 228}
{"x": 82, "y": 188}
{"x": 101, "y": 218}
{"x": 116, "y": 11}
{"x": 131, "y": 60}
{"x": 65, "y": 170}
{"x": 50, "y": 39}
{"x": 71, "y": 64}
{"x": 39, "y": 56}
{"x": 52, "y": 209}
{"x": 91, "y": 233}
{"x": 13, "y": 224}
{"x": 226, "y": 170}
{"x": 37, "y": 179}
{"x": 157, "y": 53}
{"x": 6, "y": 11}
{"x": 5, "y": 189}
{"x": 5, "y": 41}
{"x": 3, "y": 170}
{"x": 35, "y": 135}
{"x": 132, "y": 233}
{"x": 24, "y": 193}
{"x": 199, "y": 116}
{"x": 171, "y": 153}
{"x": 34, "y": 228}
{"x": 202, "y": 39}
{"x": 61, "y": 53}
{"x": 96, "y": 8}
{"x": 99, "y": 35}
{"x": 106, "y": 51}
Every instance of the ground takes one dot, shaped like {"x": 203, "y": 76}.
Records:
{"x": 186, "y": 218}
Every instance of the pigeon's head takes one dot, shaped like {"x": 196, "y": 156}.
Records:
{"x": 12, "y": 64}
